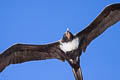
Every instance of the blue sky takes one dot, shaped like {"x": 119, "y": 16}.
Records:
{"x": 44, "y": 21}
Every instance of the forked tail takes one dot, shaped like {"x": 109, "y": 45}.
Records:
{"x": 75, "y": 64}
{"x": 77, "y": 73}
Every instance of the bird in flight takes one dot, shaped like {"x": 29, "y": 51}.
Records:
{"x": 69, "y": 48}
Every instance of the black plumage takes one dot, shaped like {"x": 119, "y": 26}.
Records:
{"x": 109, "y": 16}
{"x": 20, "y": 53}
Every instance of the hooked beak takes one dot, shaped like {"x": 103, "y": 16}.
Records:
{"x": 68, "y": 35}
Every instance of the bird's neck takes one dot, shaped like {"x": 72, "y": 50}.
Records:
{"x": 69, "y": 46}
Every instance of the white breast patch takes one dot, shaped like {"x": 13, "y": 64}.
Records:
{"x": 69, "y": 46}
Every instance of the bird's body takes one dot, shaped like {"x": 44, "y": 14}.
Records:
{"x": 69, "y": 48}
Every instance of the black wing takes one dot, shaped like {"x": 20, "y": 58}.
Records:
{"x": 23, "y": 52}
{"x": 109, "y": 16}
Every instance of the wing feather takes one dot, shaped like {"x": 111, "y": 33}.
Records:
{"x": 109, "y": 16}
{"x": 23, "y": 52}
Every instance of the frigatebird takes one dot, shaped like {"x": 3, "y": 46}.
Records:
{"x": 69, "y": 48}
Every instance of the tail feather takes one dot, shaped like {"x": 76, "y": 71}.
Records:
{"x": 75, "y": 64}
{"x": 77, "y": 73}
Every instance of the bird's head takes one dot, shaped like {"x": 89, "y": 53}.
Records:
{"x": 68, "y": 36}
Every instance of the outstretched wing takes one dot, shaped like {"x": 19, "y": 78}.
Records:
{"x": 109, "y": 16}
{"x": 23, "y": 52}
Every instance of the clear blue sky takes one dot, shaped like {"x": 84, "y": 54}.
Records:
{"x": 44, "y": 21}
